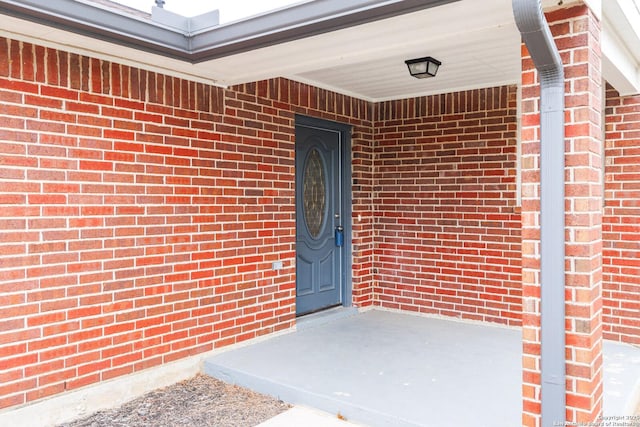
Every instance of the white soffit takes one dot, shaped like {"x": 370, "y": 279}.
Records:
{"x": 621, "y": 45}
{"x": 31, "y": 32}
{"x": 477, "y": 42}
{"x": 478, "y": 45}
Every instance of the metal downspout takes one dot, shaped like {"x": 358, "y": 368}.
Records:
{"x": 539, "y": 41}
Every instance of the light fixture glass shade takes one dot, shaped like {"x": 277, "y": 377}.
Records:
{"x": 422, "y": 68}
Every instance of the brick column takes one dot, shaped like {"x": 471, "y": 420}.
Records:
{"x": 577, "y": 34}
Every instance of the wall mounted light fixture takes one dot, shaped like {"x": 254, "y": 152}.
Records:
{"x": 422, "y": 68}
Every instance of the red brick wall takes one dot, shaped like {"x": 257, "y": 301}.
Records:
{"x": 621, "y": 222}
{"x": 140, "y": 214}
{"x": 447, "y": 225}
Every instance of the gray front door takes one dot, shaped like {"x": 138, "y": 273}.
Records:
{"x": 319, "y": 213}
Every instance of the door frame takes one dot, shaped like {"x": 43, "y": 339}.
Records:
{"x": 344, "y": 130}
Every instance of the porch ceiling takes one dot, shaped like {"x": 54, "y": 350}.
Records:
{"x": 477, "y": 42}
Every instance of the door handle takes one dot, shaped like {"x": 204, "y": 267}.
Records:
{"x": 339, "y": 234}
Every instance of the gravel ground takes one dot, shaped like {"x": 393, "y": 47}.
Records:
{"x": 201, "y": 401}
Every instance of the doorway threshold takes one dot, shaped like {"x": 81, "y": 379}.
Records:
{"x": 323, "y": 317}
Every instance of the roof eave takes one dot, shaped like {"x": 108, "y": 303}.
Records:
{"x": 297, "y": 22}
{"x": 98, "y": 22}
{"x": 287, "y": 24}
{"x": 620, "y": 41}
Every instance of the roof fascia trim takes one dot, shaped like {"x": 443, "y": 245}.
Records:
{"x": 287, "y": 24}
{"x": 298, "y": 21}
{"x": 97, "y": 22}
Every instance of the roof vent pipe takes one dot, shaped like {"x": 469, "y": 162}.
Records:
{"x": 539, "y": 41}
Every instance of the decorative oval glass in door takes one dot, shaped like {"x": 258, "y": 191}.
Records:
{"x": 314, "y": 191}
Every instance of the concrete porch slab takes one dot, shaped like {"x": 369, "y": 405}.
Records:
{"x": 621, "y": 379}
{"x": 383, "y": 368}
